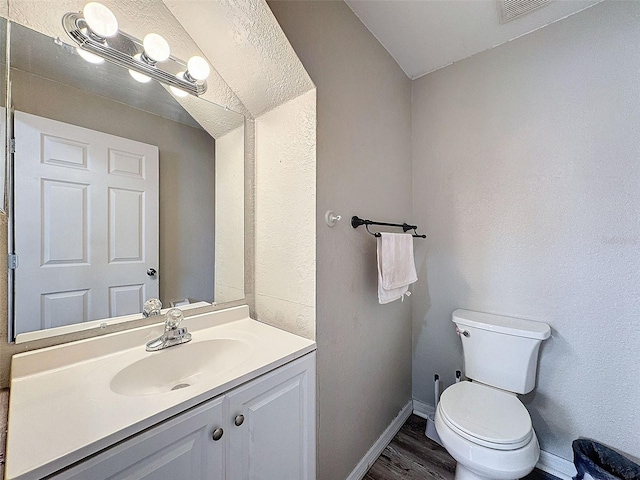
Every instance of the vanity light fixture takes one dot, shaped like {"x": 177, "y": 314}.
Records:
{"x": 176, "y": 91}
{"x": 89, "y": 57}
{"x": 96, "y": 32}
{"x": 139, "y": 77}
{"x": 156, "y": 49}
{"x": 197, "y": 69}
{"x": 101, "y": 21}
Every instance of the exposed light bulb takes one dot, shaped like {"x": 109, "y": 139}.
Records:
{"x": 100, "y": 19}
{"x": 198, "y": 68}
{"x": 177, "y": 91}
{"x": 137, "y": 76}
{"x": 156, "y": 48}
{"x": 89, "y": 57}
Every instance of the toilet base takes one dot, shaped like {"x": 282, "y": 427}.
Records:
{"x": 463, "y": 473}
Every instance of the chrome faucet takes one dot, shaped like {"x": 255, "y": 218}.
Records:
{"x": 173, "y": 334}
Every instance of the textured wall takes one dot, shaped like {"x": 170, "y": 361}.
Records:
{"x": 229, "y": 223}
{"x": 253, "y": 55}
{"x": 363, "y": 168}
{"x": 526, "y": 177}
{"x": 285, "y": 258}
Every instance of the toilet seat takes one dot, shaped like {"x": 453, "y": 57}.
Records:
{"x": 486, "y": 416}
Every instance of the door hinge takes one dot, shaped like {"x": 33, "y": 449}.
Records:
{"x": 12, "y": 261}
{"x": 12, "y": 145}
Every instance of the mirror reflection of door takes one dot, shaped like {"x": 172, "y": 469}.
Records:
{"x": 86, "y": 223}
{"x": 201, "y": 206}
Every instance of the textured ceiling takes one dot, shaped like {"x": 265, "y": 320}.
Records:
{"x": 243, "y": 39}
{"x": 424, "y": 35}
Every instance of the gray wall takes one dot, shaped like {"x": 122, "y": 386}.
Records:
{"x": 186, "y": 175}
{"x": 527, "y": 177}
{"x": 363, "y": 168}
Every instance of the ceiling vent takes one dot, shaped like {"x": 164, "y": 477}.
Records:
{"x": 512, "y": 9}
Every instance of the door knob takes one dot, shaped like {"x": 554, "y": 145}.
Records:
{"x": 217, "y": 434}
{"x": 238, "y": 420}
{"x": 151, "y": 272}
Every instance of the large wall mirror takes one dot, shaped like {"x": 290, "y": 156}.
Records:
{"x": 119, "y": 192}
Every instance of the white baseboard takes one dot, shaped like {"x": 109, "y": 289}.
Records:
{"x": 422, "y": 409}
{"x": 374, "y": 452}
{"x": 557, "y": 466}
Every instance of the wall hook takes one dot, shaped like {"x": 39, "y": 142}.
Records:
{"x": 331, "y": 218}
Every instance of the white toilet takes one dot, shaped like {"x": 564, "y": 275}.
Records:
{"x": 482, "y": 423}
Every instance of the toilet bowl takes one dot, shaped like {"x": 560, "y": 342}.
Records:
{"x": 487, "y": 431}
{"x": 482, "y": 423}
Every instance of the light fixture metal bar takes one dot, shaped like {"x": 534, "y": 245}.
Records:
{"x": 71, "y": 23}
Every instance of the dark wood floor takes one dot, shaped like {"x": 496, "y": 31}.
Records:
{"x": 413, "y": 456}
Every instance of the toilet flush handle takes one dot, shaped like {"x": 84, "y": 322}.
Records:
{"x": 462, "y": 332}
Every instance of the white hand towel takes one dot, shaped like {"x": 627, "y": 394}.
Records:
{"x": 396, "y": 266}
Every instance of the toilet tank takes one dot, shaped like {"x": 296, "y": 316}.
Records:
{"x": 500, "y": 351}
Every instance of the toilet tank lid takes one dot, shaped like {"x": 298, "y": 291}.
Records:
{"x": 501, "y": 324}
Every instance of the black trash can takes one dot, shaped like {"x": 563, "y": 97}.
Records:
{"x": 601, "y": 462}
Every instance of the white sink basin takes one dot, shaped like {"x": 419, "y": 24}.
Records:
{"x": 180, "y": 366}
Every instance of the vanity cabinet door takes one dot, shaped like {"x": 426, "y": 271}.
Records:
{"x": 271, "y": 423}
{"x": 179, "y": 448}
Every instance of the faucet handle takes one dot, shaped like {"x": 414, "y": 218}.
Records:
{"x": 173, "y": 319}
{"x": 151, "y": 307}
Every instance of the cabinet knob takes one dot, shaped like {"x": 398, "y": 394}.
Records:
{"x": 217, "y": 434}
{"x": 238, "y": 420}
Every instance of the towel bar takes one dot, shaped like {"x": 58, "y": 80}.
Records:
{"x": 357, "y": 221}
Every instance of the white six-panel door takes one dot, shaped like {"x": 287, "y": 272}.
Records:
{"x": 86, "y": 223}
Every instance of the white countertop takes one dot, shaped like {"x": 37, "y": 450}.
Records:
{"x": 62, "y": 409}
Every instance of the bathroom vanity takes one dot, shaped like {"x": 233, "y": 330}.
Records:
{"x": 238, "y": 401}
